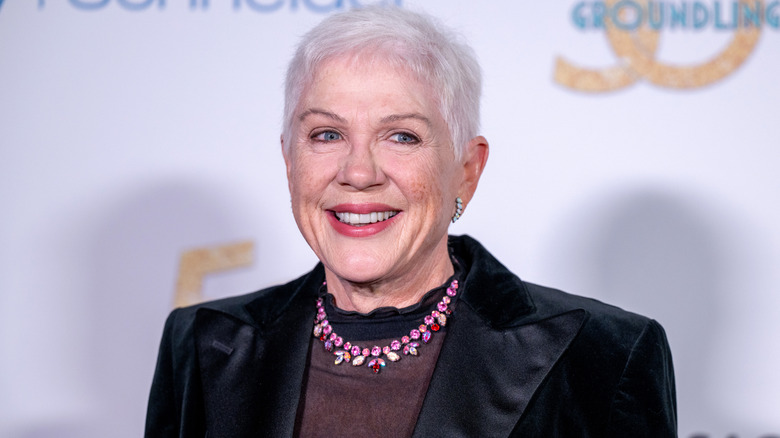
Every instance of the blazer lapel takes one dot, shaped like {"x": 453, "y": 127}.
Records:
{"x": 252, "y": 366}
{"x": 485, "y": 377}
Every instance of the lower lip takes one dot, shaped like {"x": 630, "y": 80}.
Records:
{"x": 361, "y": 231}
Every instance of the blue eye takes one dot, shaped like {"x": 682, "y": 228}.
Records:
{"x": 327, "y": 136}
{"x": 403, "y": 137}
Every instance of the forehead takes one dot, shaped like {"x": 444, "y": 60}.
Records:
{"x": 368, "y": 82}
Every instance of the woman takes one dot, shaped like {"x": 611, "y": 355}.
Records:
{"x": 415, "y": 333}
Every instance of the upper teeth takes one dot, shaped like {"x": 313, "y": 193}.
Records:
{"x": 365, "y": 218}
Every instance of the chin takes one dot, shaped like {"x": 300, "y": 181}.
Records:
{"x": 360, "y": 268}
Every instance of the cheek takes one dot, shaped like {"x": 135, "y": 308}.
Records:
{"x": 424, "y": 190}
{"x": 304, "y": 184}
{"x": 427, "y": 182}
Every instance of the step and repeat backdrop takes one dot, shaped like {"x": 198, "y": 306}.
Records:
{"x": 634, "y": 156}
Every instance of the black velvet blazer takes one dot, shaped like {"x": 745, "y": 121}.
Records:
{"x": 518, "y": 360}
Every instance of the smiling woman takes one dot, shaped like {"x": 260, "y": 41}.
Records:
{"x": 415, "y": 332}
{"x": 370, "y": 140}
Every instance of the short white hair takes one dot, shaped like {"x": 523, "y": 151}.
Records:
{"x": 415, "y": 42}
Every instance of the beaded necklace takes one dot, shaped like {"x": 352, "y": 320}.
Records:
{"x": 347, "y": 352}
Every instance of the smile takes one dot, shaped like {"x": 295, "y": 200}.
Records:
{"x": 359, "y": 219}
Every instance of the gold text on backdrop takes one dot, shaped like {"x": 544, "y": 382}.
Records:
{"x": 636, "y": 50}
{"x": 196, "y": 263}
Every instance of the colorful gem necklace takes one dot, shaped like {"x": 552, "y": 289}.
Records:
{"x": 347, "y": 352}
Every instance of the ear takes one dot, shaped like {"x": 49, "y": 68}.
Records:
{"x": 474, "y": 160}
{"x": 287, "y": 163}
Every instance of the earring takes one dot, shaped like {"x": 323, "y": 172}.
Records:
{"x": 458, "y": 209}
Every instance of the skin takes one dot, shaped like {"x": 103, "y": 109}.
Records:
{"x": 368, "y": 138}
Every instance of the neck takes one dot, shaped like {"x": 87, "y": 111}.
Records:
{"x": 395, "y": 290}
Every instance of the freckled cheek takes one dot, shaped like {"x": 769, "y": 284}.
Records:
{"x": 425, "y": 195}
{"x": 425, "y": 189}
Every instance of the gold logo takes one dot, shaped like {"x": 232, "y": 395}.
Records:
{"x": 199, "y": 262}
{"x": 636, "y": 48}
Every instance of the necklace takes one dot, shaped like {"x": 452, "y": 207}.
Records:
{"x": 347, "y": 352}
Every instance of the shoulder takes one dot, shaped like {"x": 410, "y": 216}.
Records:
{"x": 607, "y": 329}
{"x": 255, "y": 308}
{"x": 504, "y": 300}
{"x": 603, "y": 316}
{"x": 611, "y": 369}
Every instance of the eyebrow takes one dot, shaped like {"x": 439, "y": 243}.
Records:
{"x": 397, "y": 117}
{"x": 387, "y": 119}
{"x": 322, "y": 112}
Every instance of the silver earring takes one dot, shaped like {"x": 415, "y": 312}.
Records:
{"x": 458, "y": 209}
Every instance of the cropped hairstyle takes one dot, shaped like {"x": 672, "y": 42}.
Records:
{"x": 434, "y": 54}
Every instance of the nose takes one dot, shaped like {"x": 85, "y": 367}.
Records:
{"x": 360, "y": 169}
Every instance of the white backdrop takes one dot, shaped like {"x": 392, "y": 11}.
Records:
{"x": 135, "y": 130}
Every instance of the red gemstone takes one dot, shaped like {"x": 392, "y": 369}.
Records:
{"x": 435, "y": 327}
{"x": 376, "y": 367}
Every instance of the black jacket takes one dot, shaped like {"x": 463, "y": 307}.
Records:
{"x": 518, "y": 360}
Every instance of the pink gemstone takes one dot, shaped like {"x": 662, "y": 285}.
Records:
{"x": 319, "y": 302}
{"x": 445, "y": 300}
{"x": 451, "y": 292}
{"x": 414, "y": 334}
{"x": 395, "y": 345}
{"x": 338, "y": 341}
{"x": 356, "y": 351}
{"x": 324, "y": 323}
{"x": 366, "y": 352}
{"x": 428, "y": 320}
{"x": 320, "y": 310}
{"x": 442, "y": 307}
{"x": 347, "y": 346}
{"x": 385, "y": 349}
{"x": 376, "y": 351}
{"x": 333, "y": 336}
{"x": 422, "y": 328}
{"x": 426, "y": 337}
{"x": 320, "y": 317}
{"x": 405, "y": 339}
{"x": 435, "y": 314}
{"x": 327, "y": 329}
